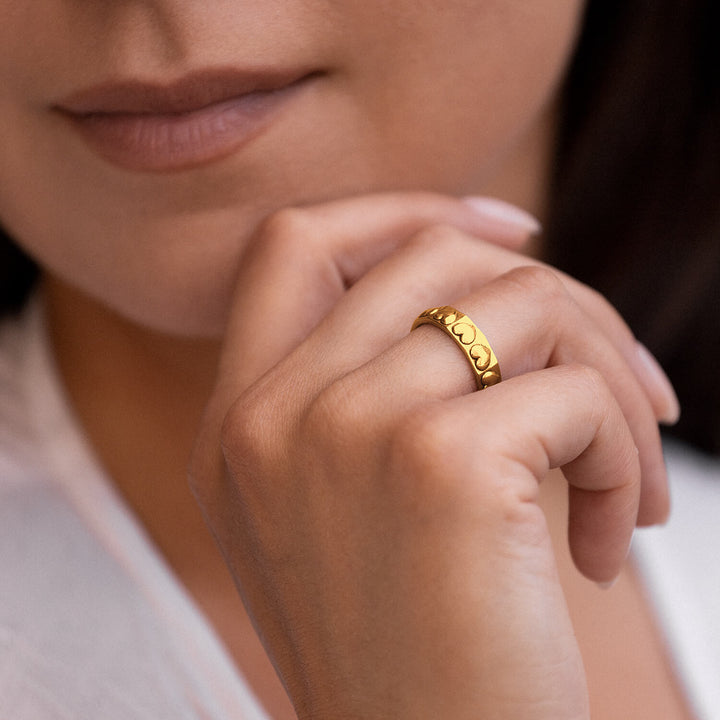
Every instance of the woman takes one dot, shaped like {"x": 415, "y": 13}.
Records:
{"x": 385, "y": 526}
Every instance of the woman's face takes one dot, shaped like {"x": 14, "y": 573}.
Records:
{"x": 136, "y": 164}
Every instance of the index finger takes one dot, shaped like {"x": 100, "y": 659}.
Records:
{"x": 303, "y": 260}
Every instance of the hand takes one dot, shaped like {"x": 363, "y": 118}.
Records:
{"x": 379, "y": 517}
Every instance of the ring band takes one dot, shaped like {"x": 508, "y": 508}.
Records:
{"x": 469, "y": 338}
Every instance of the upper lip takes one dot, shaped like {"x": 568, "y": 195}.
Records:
{"x": 189, "y": 93}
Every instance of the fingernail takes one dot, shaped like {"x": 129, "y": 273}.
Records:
{"x": 669, "y": 413}
{"x": 505, "y": 215}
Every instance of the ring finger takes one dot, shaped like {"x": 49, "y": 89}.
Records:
{"x": 531, "y": 321}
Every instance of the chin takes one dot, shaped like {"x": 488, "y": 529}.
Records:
{"x": 180, "y": 313}
{"x": 184, "y": 305}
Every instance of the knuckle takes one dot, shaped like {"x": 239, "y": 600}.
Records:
{"x": 435, "y": 245}
{"x": 325, "y": 412}
{"x": 540, "y": 281}
{"x": 434, "y": 237}
{"x": 589, "y": 379}
{"x": 294, "y": 237}
{"x": 280, "y": 231}
{"x": 424, "y": 445}
{"x": 337, "y": 420}
{"x": 247, "y": 434}
{"x": 284, "y": 222}
{"x": 591, "y": 387}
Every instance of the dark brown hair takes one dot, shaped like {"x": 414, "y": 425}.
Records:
{"x": 17, "y": 276}
{"x": 636, "y": 205}
{"x": 635, "y": 208}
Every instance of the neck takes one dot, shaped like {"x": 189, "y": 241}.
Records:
{"x": 139, "y": 396}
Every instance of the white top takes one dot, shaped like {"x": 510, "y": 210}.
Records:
{"x": 92, "y": 622}
{"x": 680, "y": 564}
{"x": 94, "y": 625}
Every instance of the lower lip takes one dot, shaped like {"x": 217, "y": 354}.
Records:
{"x": 163, "y": 142}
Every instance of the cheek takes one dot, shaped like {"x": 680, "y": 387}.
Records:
{"x": 459, "y": 88}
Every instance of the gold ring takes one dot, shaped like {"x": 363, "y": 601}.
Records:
{"x": 469, "y": 338}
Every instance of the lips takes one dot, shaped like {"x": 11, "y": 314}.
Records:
{"x": 198, "y": 119}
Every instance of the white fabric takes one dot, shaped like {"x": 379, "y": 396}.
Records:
{"x": 680, "y": 565}
{"x": 92, "y": 622}
{"x": 94, "y": 625}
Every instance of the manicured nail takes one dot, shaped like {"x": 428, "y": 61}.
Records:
{"x": 669, "y": 413}
{"x": 507, "y": 216}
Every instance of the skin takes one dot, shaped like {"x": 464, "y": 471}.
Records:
{"x": 158, "y": 271}
{"x": 164, "y": 248}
